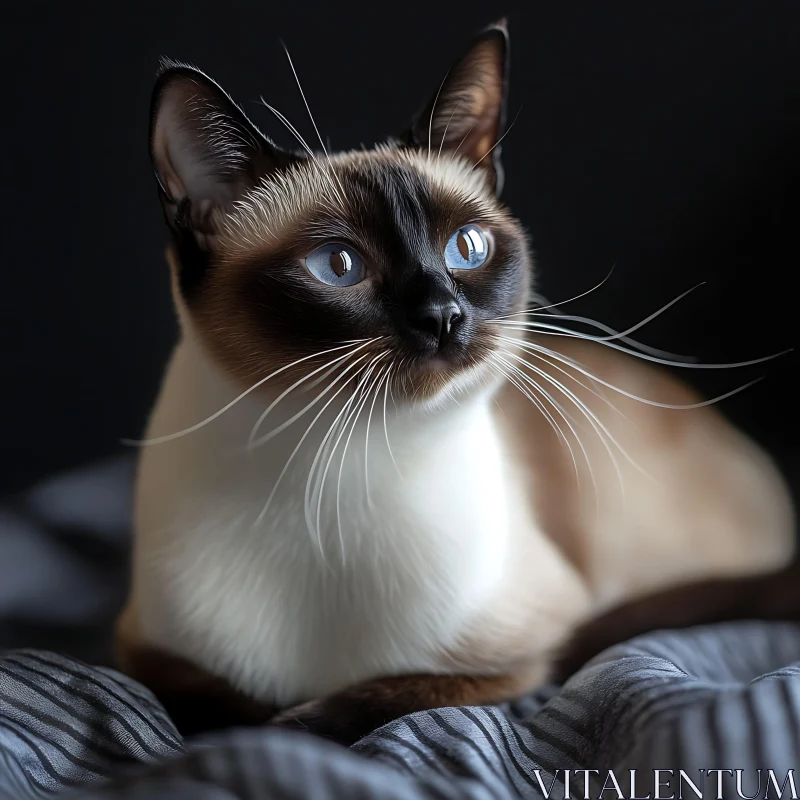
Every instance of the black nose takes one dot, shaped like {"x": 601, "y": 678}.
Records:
{"x": 434, "y": 320}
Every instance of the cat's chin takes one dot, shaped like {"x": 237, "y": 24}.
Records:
{"x": 437, "y": 365}
{"x": 437, "y": 370}
{"x": 437, "y": 380}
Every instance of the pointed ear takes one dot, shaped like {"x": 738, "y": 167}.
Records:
{"x": 205, "y": 151}
{"x": 467, "y": 116}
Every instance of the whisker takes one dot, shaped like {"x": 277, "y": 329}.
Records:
{"x": 254, "y": 443}
{"x": 463, "y": 139}
{"x": 325, "y": 174}
{"x": 310, "y": 115}
{"x": 644, "y": 348}
{"x": 323, "y": 377}
{"x": 336, "y": 425}
{"x": 623, "y": 335}
{"x": 353, "y": 401}
{"x": 563, "y": 302}
{"x": 433, "y": 109}
{"x": 315, "y": 470}
{"x": 591, "y": 417}
{"x": 383, "y": 377}
{"x": 541, "y": 354}
{"x": 170, "y": 436}
{"x": 444, "y": 135}
{"x": 608, "y": 329}
{"x": 562, "y": 412}
{"x": 508, "y": 130}
{"x": 292, "y": 129}
{"x": 324, "y": 450}
{"x": 309, "y": 494}
{"x": 294, "y": 452}
{"x": 356, "y": 415}
{"x": 554, "y": 330}
{"x": 509, "y": 375}
{"x": 386, "y": 393}
{"x": 303, "y": 95}
{"x": 529, "y": 346}
{"x": 565, "y": 415}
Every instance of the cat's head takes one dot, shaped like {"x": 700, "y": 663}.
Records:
{"x": 397, "y": 256}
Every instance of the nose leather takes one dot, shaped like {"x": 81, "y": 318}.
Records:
{"x": 434, "y": 320}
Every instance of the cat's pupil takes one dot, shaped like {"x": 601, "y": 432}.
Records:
{"x": 341, "y": 263}
{"x": 465, "y": 246}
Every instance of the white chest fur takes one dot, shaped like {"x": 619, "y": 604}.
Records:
{"x": 287, "y": 616}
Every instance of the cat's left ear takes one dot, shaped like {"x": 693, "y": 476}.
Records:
{"x": 467, "y": 115}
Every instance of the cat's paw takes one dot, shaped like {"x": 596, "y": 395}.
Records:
{"x": 319, "y": 717}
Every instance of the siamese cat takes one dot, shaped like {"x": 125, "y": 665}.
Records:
{"x": 379, "y": 476}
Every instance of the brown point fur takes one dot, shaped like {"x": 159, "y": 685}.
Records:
{"x": 198, "y": 701}
{"x": 351, "y": 714}
{"x": 248, "y": 331}
{"x": 195, "y": 700}
{"x": 240, "y": 314}
{"x": 775, "y": 596}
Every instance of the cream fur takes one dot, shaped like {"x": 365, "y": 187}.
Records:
{"x": 446, "y": 565}
{"x": 261, "y": 605}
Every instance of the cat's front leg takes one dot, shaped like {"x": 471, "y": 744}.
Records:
{"x": 354, "y": 712}
{"x": 195, "y": 700}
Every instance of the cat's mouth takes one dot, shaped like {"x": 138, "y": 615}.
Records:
{"x": 444, "y": 371}
{"x": 447, "y": 359}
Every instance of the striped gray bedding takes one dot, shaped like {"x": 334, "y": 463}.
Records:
{"x": 708, "y": 712}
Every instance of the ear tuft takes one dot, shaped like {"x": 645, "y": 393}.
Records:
{"x": 165, "y": 64}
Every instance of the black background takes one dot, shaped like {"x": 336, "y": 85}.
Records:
{"x": 663, "y": 137}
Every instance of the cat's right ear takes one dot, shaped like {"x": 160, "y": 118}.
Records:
{"x": 205, "y": 151}
{"x": 467, "y": 115}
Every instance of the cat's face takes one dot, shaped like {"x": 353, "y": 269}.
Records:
{"x": 387, "y": 262}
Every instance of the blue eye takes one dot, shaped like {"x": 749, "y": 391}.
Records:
{"x": 336, "y": 264}
{"x": 467, "y": 248}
